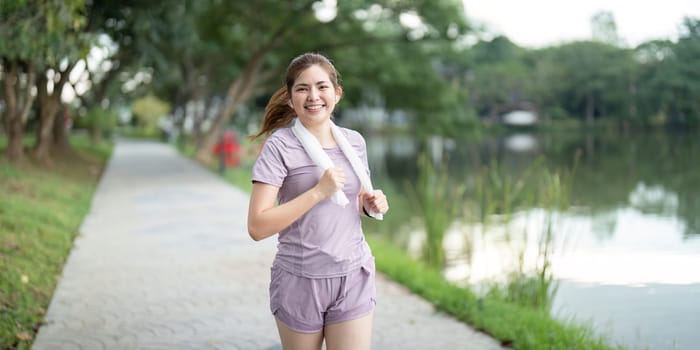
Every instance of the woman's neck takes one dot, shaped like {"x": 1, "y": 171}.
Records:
{"x": 323, "y": 134}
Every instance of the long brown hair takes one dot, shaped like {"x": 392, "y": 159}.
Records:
{"x": 277, "y": 112}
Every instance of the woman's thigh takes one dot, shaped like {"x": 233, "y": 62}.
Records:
{"x": 350, "y": 335}
{"x": 292, "y": 340}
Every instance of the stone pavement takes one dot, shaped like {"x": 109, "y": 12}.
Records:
{"x": 164, "y": 261}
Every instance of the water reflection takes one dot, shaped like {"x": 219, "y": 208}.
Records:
{"x": 633, "y": 229}
{"x": 641, "y": 250}
{"x": 521, "y": 142}
{"x": 654, "y": 200}
{"x": 654, "y": 172}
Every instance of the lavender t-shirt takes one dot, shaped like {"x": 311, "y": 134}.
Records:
{"x": 327, "y": 241}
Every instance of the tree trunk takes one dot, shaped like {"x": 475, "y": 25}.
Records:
{"x": 44, "y": 136}
{"x": 50, "y": 104}
{"x": 60, "y": 132}
{"x": 14, "y": 142}
{"x": 44, "y": 131}
{"x": 15, "y": 118}
{"x": 200, "y": 99}
{"x": 239, "y": 91}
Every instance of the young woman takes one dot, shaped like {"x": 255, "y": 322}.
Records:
{"x": 322, "y": 279}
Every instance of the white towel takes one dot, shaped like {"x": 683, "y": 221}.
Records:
{"x": 318, "y": 155}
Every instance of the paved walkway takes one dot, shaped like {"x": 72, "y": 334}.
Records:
{"x": 164, "y": 261}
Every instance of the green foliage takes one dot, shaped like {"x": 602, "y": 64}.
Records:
{"x": 203, "y": 56}
{"x": 148, "y": 110}
{"x": 586, "y": 79}
{"x": 40, "y": 214}
{"x": 672, "y": 83}
{"x": 43, "y": 32}
{"x": 417, "y": 67}
{"x": 591, "y": 81}
{"x": 99, "y": 122}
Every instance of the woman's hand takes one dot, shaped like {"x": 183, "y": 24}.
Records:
{"x": 265, "y": 218}
{"x": 332, "y": 181}
{"x": 374, "y": 201}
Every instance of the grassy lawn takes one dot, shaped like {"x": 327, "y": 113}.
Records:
{"x": 41, "y": 210}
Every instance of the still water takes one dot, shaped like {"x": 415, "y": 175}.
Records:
{"x": 626, "y": 252}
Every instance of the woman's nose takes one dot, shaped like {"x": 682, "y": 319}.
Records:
{"x": 313, "y": 93}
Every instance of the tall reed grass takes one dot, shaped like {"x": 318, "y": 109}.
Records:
{"x": 494, "y": 197}
{"x": 539, "y": 188}
{"x": 438, "y": 203}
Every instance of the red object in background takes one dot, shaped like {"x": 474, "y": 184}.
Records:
{"x": 228, "y": 148}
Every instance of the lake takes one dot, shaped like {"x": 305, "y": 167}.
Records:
{"x": 625, "y": 253}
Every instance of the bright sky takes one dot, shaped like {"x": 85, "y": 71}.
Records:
{"x": 537, "y": 23}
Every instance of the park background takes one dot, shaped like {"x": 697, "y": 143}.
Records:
{"x": 561, "y": 177}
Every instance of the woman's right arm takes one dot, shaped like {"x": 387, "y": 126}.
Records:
{"x": 265, "y": 219}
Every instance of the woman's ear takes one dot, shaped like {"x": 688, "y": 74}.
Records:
{"x": 289, "y": 100}
{"x": 338, "y": 94}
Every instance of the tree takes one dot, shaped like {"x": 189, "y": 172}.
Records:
{"x": 18, "y": 46}
{"x": 253, "y": 41}
{"x": 35, "y": 38}
{"x": 498, "y": 77}
{"x": 585, "y": 79}
{"x": 604, "y": 28}
{"x": 221, "y": 54}
{"x": 669, "y": 80}
{"x": 149, "y": 110}
{"x": 685, "y": 108}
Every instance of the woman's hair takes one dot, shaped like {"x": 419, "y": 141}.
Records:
{"x": 277, "y": 112}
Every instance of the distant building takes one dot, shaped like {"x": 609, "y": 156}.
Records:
{"x": 520, "y": 118}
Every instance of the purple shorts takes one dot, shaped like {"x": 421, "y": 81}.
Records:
{"x": 306, "y": 305}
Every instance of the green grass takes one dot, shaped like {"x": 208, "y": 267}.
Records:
{"x": 41, "y": 210}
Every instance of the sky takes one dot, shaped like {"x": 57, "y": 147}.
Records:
{"x": 538, "y": 23}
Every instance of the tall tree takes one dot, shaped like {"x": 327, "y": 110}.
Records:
{"x": 36, "y": 35}
{"x": 262, "y": 36}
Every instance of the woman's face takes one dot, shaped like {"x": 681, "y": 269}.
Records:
{"x": 313, "y": 96}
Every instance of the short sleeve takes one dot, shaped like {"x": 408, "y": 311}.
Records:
{"x": 270, "y": 167}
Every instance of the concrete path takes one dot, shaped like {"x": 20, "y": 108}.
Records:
{"x": 164, "y": 261}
